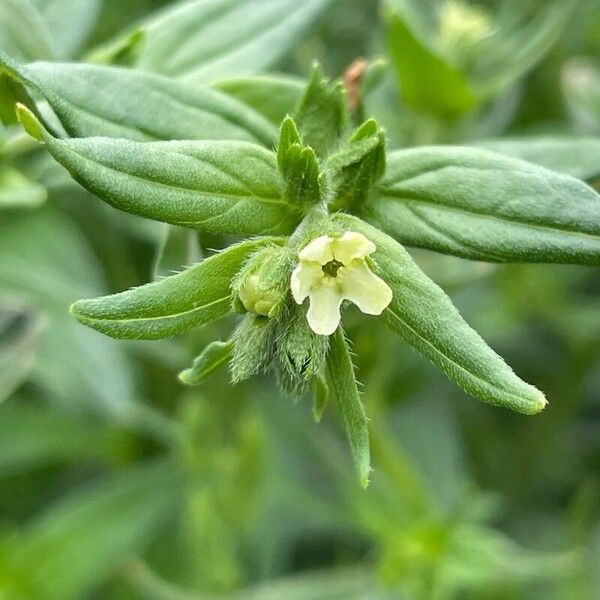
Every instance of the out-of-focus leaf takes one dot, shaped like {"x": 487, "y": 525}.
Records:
{"x": 76, "y": 544}
{"x": 93, "y": 100}
{"x": 425, "y": 317}
{"x": 342, "y": 381}
{"x": 17, "y": 191}
{"x": 172, "y": 305}
{"x": 274, "y": 96}
{"x": 23, "y": 32}
{"x": 76, "y": 367}
{"x": 179, "y": 248}
{"x": 320, "y": 397}
{"x": 519, "y": 37}
{"x": 428, "y": 83}
{"x": 204, "y": 40}
{"x": 69, "y": 22}
{"x": 486, "y": 206}
{"x": 575, "y": 156}
{"x": 581, "y": 89}
{"x": 20, "y": 332}
{"x": 32, "y": 436}
{"x": 214, "y": 356}
{"x": 214, "y": 186}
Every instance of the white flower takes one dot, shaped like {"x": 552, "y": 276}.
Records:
{"x": 331, "y": 270}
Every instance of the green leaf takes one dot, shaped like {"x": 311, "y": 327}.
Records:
{"x": 428, "y": 82}
{"x": 23, "y": 33}
{"x": 273, "y": 96}
{"x": 65, "y": 438}
{"x": 575, "y": 156}
{"x": 215, "y": 186}
{"x": 172, "y": 305}
{"x": 77, "y": 368}
{"x": 357, "y": 167}
{"x": 341, "y": 379}
{"x": 178, "y": 248}
{"x": 516, "y": 41}
{"x": 17, "y": 191}
{"x": 93, "y": 532}
{"x": 122, "y": 51}
{"x": 214, "y": 356}
{"x": 20, "y": 332}
{"x": 69, "y": 21}
{"x": 299, "y": 166}
{"x": 322, "y": 114}
{"x": 92, "y": 100}
{"x": 320, "y": 397}
{"x": 485, "y": 206}
{"x": 203, "y": 41}
{"x": 425, "y": 317}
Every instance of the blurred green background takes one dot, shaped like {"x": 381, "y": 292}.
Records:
{"x": 118, "y": 482}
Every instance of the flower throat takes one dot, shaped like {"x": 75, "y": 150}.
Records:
{"x": 331, "y": 268}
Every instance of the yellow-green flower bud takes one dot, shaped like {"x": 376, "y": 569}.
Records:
{"x": 255, "y": 298}
{"x": 262, "y": 285}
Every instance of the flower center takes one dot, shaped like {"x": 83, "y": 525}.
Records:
{"x": 331, "y": 268}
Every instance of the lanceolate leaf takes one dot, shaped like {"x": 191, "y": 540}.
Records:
{"x": 341, "y": 379}
{"x": 575, "y": 156}
{"x": 425, "y": 317}
{"x": 485, "y": 206}
{"x": 172, "y": 305}
{"x": 202, "y": 40}
{"x": 216, "y": 186}
{"x": 93, "y": 100}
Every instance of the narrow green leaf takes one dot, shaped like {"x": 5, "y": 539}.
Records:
{"x": 172, "y": 305}
{"x": 213, "y": 357}
{"x": 341, "y": 378}
{"x": 17, "y": 191}
{"x": 485, "y": 206}
{"x": 322, "y": 114}
{"x": 425, "y": 317}
{"x": 575, "y": 156}
{"x": 427, "y": 81}
{"x": 122, "y": 51}
{"x": 204, "y": 40}
{"x": 215, "y": 186}
{"x": 320, "y": 397}
{"x": 93, "y": 100}
{"x": 273, "y": 96}
{"x": 93, "y": 531}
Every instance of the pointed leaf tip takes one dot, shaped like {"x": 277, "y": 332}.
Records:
{"x": 30, "y": 122}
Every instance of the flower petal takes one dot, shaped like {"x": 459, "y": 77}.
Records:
{"x": 304, "y": 277}
{"x": 324, "y": 310}
{"x": 362, "y": 287}
{"x": 350, "y": 246}
{"x": 319, "y": 250}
